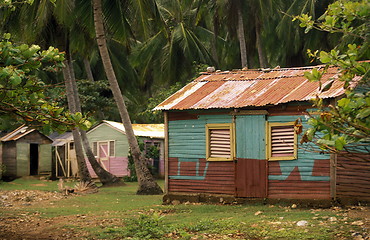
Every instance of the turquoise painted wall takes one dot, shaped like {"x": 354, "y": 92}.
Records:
{"x": 105, "y": 133}
{"x": 187, "y": 138}
{"x": 306, "y": 155}
{"x": 250, "y": 136}
{"x": 187, "y": 142}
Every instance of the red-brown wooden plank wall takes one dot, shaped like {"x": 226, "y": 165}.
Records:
{"x": 353, "y": 176}
{"x": 295, "y": 188}
{"x": 219, "y": 177}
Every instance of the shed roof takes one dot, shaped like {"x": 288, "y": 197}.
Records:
{"x": 18, "y": 133}
{"x": 243, "y": 88}
{"x": 61, "y": 139}
{"x": 140, "y": 130}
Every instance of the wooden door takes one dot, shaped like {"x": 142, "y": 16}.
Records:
{"x": 251, "y": 178}
{"x": 251, "y": 166}
{"x": 103, "y": 154}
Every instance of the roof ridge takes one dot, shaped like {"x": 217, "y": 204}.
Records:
{"x": 263, "y": 70}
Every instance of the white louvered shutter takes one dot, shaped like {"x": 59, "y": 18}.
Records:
{"x": 282, "y": 141}
{"x": 219, "y": 145}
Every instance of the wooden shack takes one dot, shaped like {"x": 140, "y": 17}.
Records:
{"x": 64, "y": 155}
{"x": 231, "y": 133}
{"x": 110, "y": 145}
{"x": 24, "y": 152}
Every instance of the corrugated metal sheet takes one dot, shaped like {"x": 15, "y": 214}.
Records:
{"x": 244, "y": 88}
{"x": 17, "y": 133}
{"x": 141, "y": 130}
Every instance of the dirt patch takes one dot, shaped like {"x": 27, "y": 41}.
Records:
{"x": 31, "y": 225}
{"x": 27, "y": 197}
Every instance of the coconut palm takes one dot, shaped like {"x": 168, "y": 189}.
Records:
{"x": 51, "y": 25}
{"x": 147, "y": 184}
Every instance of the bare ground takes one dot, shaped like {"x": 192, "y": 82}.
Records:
{"x": 30, "y": 225}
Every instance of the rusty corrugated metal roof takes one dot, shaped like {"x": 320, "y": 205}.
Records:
{"x": 243, "y": 88}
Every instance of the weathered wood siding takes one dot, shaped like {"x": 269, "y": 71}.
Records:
{"x": 250, "y": 137}
{"x": 45, "y": 158}
{"x": 104, "y": 133}
{"x": 23, "y": 159}
{"x": 9, "y": 159}
{"x": 117, "y": 166}
{"x": 353, "y": 176}
{"x": 307, "y": 177}
{"x": 251, "y": 166}
{"x": 188, "y": 169}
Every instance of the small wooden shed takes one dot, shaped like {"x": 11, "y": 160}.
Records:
{"x": 232, "y": 133}
{"x": 24, "y": 152}
{"x": 64, "y": 155}
{"x": 111, "y": 148}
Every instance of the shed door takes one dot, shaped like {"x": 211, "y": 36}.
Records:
{"x": 104, "y": 154}
{"x": 251, "y": 166}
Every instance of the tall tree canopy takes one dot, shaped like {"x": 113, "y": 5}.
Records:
{"x": 345, "y": 126}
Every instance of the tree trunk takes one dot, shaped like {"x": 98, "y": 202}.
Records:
{"x": 87, "y": 66}
{"x": 241, "y": 37}
{"x": 261, "y": 52}
{"x": 105, "y": 177}
{"x": 214, "y": 39}
{"x": 147, "y": 184}
{"x": 82, "y": 168}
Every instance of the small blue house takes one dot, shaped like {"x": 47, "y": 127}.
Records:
{"x": 232, "y": 133}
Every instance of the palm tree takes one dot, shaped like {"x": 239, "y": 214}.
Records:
{"x": 53, "y": 27}
{"x": 147, "y": 184}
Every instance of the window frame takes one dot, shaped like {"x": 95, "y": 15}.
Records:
{"x": 270, "y": 125}
{"x": 231, "y": 128}
{"x": 95, "y": 147}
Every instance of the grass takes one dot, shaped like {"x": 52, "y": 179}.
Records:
{"x": 144, "y": 217}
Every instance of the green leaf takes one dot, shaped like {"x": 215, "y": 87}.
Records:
{"x": 340, "y": 143}
{"x": 15, "y": 80}
{"x": 325, "y": 57}
{"x": 363, "y": 113}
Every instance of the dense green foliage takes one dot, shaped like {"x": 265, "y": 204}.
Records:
{"x": 345, "y": 126}
{"x": 158, "y": 43}
{"x": 21, "y": 91}
{"x": 157, "y": 46}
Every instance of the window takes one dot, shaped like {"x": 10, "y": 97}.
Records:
{"x": 111, "y": 149}
{"x": 95, "y": 148}
{"x": 220, "y": 142}
{"x": 282, "y": 141}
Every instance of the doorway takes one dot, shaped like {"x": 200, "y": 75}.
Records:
{"x": 34, "y": 159}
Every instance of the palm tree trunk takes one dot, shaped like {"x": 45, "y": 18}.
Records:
{"x": 105, "y": 177}
{"x": 241, "y": 37}
{"x": 82, "y": 168}
{"x": 261, "y": 53}
{"x": 147, "y": 184}
{"x": 87, "y": 66}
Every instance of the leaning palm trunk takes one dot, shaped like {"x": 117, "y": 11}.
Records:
{"x": 241, "y": 37}
{"x": 261, "y": 53}
{"x": 82, "y": 168}
{"x": 147, "y": 184}
{"x": 105, "y": 177}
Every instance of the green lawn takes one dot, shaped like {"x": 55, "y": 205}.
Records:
{"x": 144, "y": 217}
